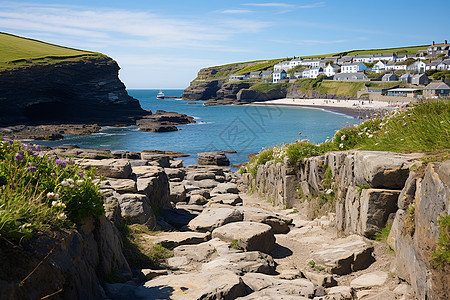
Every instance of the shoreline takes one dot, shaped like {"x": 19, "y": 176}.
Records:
{"x": 353, "y": 108}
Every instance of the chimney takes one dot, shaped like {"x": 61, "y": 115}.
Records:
{"x": 433, "y": 43}
{"x": 445, "y": 42}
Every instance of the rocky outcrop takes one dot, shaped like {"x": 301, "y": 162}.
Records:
{"x": 369, "y": 190}
{"x": 217, "y": 158}
{"x": 163, "y": 121}
{"x": 83, "y": 90}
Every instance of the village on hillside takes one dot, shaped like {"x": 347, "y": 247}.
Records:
{"x": 408, "y": 69}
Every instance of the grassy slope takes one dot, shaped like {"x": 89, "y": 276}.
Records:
{"x": 18, "y": 51}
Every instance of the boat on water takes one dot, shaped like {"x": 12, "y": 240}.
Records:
{"x": 160, "y": 95}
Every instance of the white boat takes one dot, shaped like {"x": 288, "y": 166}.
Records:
{"x": 160, "y": 95}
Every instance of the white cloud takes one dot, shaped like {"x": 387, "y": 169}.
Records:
{"x": 282, "y": 5}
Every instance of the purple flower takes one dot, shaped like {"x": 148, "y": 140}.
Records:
{"x": 61, "y": 162}
{"x": 35, "y": 153}
{"x": 27, "y": 148}
{"x": 37, "y": 147}
{"x": 81, "y": 174}
{"x": 8, "y": 140}
{"x": 19, "y": 156}
{"x": 32, "y": 169}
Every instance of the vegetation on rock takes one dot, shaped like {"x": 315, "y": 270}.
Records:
{"x": 441, "y": 256}
{"x": 39, "y": 192}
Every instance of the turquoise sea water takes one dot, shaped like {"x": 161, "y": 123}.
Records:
{"x": 245, "y": 129}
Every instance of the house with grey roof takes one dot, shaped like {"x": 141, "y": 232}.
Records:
{"x": 420, "y": 79}
{"x": 406, "y": 78}
{"x": 433, "y": 64}
{"x": 389, "y": 77}
{"x": 437, "y": 49}
{"x": 266, "y": 74}
{"x": 255, "y": 75}
{"x": 379, "y": 67}
{"x": 235, "y": 77}
{"x": 363, "y": 58}
{"x": 344, "y": 60}
{"x": 353, "y": 67}
{"x": 417, "y": 66}
{"x": 385, "y": 57}
{"x": 350, "y": 77}
{"x": 277, "y": 76}
{"x": 436, "y": 89}
{"x": 444, "y": 65}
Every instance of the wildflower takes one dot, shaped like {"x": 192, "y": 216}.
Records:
{"x": 19, "y": 156}
{"x": 329, "y": 191}
{"x": 341, "y": 145}
{"x": 359, "y": 133}
{"x": 387, "y": 131}
{"x": 370, "y": 136}
{"x": 402, "y": 139}
{"x": 61, "y": 162}
{"x": 51, "y": 195}
{"x": 441, "y": 122}
{"x": 81, "y": 174}
{"x": 404, "y": 124}
{"x": 58, "y": 204}
{"x": 62, "y": 216}
{"x": 343, "y": 137}
{"x": 70, "y": 180}
{"x": 32, "y": 169}
{"x": 37, "y": 147}
{"x": 376, "y": 144}
{"x": 65, "y": 183}
{"x": 8, "y": 140}
{"x": 35, "y": 153}
{"x": 79, "y": 181}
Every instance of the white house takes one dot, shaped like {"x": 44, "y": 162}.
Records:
{"x": 315, "y": 72}
{"x": 386, "y": 57}
{"x": 331, "y": 69}
{"x": 379, "y": 67}
{"x": 238, "y": 77}
{"x": 295, "y": 62}
{"x": 417, "y": 66}
{"x": 314, "y": 63}
{"x": 277, "y": 76}
{"x": 353, "y": 67}
{"x": 305, "y": 73}
{"x": 444, "y": 65}
{"x": 401, "y": 58}
{"x": 363, "y": 58}
{"x": 392, "y": 66}
{"x": 433, "y": 64}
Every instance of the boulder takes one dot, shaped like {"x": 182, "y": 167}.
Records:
{"x": 341, "y": 292}
{"x": 121, "y": 186}
{"x": 174, "y": 173}
{"x": 135, "y": 209}
{"x": 177, "y": 192}
{"x": 345, "y": 255}
{"x": 176, "y": 163}
{"x": 225, "y": 188}
{"x": 227, "y": 199}
{"x": 160, "y": 159}
{"x": 200, "y": 175}
{"x": 174, "y": 239}
{"x": 376, "y": 206}
{"x": 204, "y": 184}
{"x": 114, "y": 168}
{"x": 296, "y": 289}
{"x": 249, "y": 236}
{"x": 369, "y": 280}
{"x": 321, "y": 279}
{"x": 217, "y": 158}
{"x": 197, "y": 199}
{"x": 203, "y": 285}
{"x": 214, "y": 217}
{"x": 192, "y": 208}
{"x": 153, "y": 182}
{"x": 279, "y": 223}
{"x": 242, "y": 263}
{"x": 149, "y": 274}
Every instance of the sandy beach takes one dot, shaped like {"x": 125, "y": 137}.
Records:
{"x": 356, "y": 108}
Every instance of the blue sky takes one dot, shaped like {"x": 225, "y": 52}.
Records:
{"x": 163, "y": 44}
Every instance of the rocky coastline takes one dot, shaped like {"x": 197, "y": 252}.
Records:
{"x": 229, "y": 243}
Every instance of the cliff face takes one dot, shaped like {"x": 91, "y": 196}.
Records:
{"x": 372, "y": 189}
{"x": 82, "y": 90}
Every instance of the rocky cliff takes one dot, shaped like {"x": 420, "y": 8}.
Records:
{"x": 85, "y": 90}
{"x": 371, "y": 190}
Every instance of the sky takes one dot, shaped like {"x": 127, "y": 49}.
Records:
{"x": 163, "y": 44}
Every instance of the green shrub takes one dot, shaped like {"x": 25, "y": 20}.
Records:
{"x": 39, "y": 193}
{"x": 383, "y": 234}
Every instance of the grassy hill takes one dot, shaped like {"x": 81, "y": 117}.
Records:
{"x": 18, "y": 51}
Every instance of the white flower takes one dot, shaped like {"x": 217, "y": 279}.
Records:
{"x": 70, "y": 180}
{"x": 402, "y": 139}
{"x": 329, "y": 191}
{"x": 376, "y": 144}
{"x": 387, "y": 131}
{"x": 51, "y": 195}
{"x": 370, "y": 136}
{"x": 341, "y": 145}
{"x": 441, "y": 122}
{"x": 54, "y": 203}
{"x": 64, "y": 183}
{"x": 343, "y": 137}
{"x": 79, "y": 181}
{"x": 359, "y": 133}
{"x": 62, "y": 216}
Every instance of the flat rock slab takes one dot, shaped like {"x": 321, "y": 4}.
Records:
{"x": 370, "y": 280}
{"x": 268, "y": 287}
{"x": 217, "y": 158}
{"x": 345, "y": 255}
{"x": 147, "y": 171}
{"x": 204, "y": 285}
{"x": 214, "y": 217}
{"x": 121, "y": 186}
{"x": 225, "y": 188}
{"x": 279, "y": 223}
{"x": 114, "y": 168}
{"x": 227, "y": 199}
{"x": 174, "y": 239}
{"x": 249, "y": 236}
{"x": 242, "y": 263}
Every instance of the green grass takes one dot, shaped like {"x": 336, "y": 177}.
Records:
{"x": 382, "y": 236}
{"x": 42, "y": 193}
{"x": 267, "y": 87}
{"x": 259, "y": 67}
{"x": 441, "y": 256}
{"x": 19, "y": 51}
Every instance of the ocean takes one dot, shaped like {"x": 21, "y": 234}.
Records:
{"x": 244, "y": 129}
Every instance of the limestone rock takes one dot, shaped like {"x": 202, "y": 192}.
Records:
{"x": 249, "y": 236}
{"x": 369, "y": 280}
{"x": 242, "y": 263}
{"x": 227, "y": 199}
{"x": 203, "y": 285}
{"x": 114, "y": 168}
{"x": 345, "y": 255}
{"x": 197, "y": 199}
{"x": 136, "y": 209}
{"x": 200, "y": 175}
{"x": 343, "y": 292}
{"x": 279, "y": 223}
{"x": 174, "y": 239}
{"x": 121, "y": 186}
{"x": 177, "y": 192}
{"x": 149, "y": 274}
{"x": 153, "y": 182}
{"x": 225, "y": 188}
{"x": 321, "y": 279}
{"x": 177, "y": 217}
{"x": 205, "y": 183}
{"x": 296, "y": 289}
{"x": 174, "y": 173}
{"x": 213, "y": 158}
{"x": 214, "y": 217}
